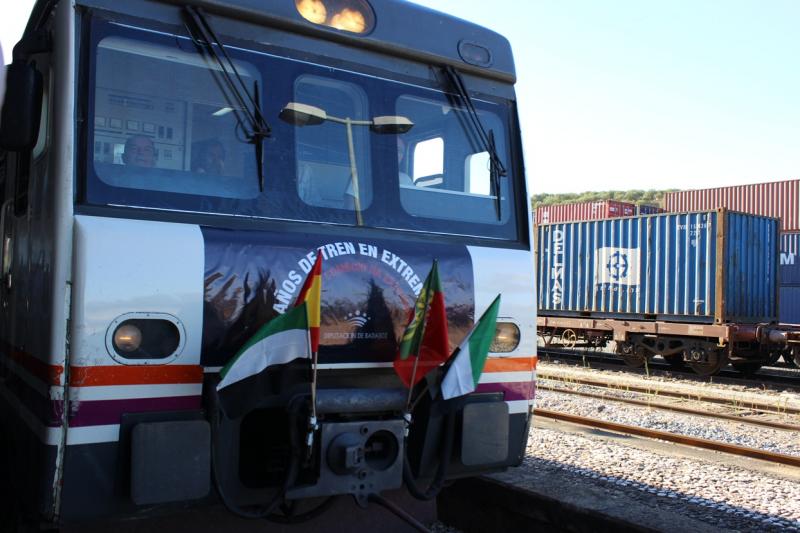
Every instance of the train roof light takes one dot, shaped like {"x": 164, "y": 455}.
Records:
{"x": 299, "y": 114}
{"x": 391, "y": 124}
{"x": 354, "y": 16}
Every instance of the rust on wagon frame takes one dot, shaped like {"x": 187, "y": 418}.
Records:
{"x": 732, "y": 449}
{"x": 622, "y": 328}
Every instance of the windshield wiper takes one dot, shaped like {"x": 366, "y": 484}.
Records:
{"x": 496, "y": 168}
{"x": 253, "y": 126}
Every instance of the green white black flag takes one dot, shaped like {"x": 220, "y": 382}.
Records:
{"x": 278, "y": 342}
{"x": 465, "y": 371}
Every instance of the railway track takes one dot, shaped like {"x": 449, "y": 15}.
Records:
{"x": 733, "y": 449}
{"x": 773, "y": 376}
{"x": 655, "y": 391}
{"x": 681, "y": 409}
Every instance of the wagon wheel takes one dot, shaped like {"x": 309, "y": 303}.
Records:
{"x": 774, "y": 357}
{"x": 675, "y": 361}
{"x": 633, "y": 358}
{"x": 717, "y": 359}
{"x": 569, "y": 338}
{"x": 792, "y": 358}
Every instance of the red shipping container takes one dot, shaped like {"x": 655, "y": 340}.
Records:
{"x": 598, "y": 210}
{"x": 779, "y": 199}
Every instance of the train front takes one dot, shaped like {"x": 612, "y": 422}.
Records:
{"x": 227, "y": 147}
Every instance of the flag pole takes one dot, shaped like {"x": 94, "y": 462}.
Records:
{"x": 419, "y": 345}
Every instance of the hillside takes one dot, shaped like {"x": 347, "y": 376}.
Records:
{"x": 650, "y": 196}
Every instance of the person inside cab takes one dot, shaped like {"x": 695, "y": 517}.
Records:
{"x": 208, "y": 157}
{"x": 139, "y": 152}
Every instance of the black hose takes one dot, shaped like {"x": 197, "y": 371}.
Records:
{"x": 445, "y": 452}
{"x": 397, "y": 511}
{"x": 259, "y": 511}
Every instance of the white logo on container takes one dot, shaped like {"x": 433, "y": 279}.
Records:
{"x": 617, "y": 265}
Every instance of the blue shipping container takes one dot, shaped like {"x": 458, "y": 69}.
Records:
{"x": 647, "y": 209}
{"x": 790, "y": 263}
{"x": 790, "y": 304}
{"x": 712, "y": 266}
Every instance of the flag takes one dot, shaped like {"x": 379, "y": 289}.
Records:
{"x": 470, "y": 357}
{"x": 426, "y": 333}
{"x": 245, "y": 380}
{"x": 311, "y": 294}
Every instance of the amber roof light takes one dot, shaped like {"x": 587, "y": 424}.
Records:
{"x": 354, "y": 16}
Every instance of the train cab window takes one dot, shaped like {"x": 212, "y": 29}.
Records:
{"x": 451, "y": 176}
{"x": 163, "y": 123}
{"x": 327, "y": 174}
{"x": 477, "y": 174}
{"x": 428, "y": 162}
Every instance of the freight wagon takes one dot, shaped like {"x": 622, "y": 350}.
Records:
{"x": 548, "y": 214}
{"x": 698, "y": 288}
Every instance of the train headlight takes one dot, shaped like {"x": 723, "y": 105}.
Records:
{"x": 354, "y": 16}
{"x": 127, "y": 338}
{"x": 145, "y": 336}
{"x": 506, "y": 337}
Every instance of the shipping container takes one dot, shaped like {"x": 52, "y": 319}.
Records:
{"x": 790, "y": 304}
{"x": 598, "y": 210}
{"x": 705, "y": 267}
{"x": 647, "y": 209}
{"x": 780, "y": 199}
{"x": 789, "y": 262}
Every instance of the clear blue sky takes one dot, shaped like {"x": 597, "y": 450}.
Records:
{"x": 622, "y": 94}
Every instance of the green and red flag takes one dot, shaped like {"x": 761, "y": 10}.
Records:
{"x": 425, "y": 336}
{"x": 311, "y": 295}
{"x": 466, "y": 368}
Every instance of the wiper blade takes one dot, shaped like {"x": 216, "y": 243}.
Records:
{"x": 496, "y": 167}
{"x": 253, "y": 125}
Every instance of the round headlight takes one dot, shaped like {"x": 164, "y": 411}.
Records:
{"x": 127, "y": 338}
{"x": 506, "y": 337}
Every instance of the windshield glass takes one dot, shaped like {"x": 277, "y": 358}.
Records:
{"x": 345, "y": 148}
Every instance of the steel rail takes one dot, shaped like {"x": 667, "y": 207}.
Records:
{"x": 608, "y": 358}
{"x": 731, "y": 449}
{"x": 749, "y": 404}
{"x": 675, "y": 408}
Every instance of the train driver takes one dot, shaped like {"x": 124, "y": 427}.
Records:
{"x": 139, "y": 152}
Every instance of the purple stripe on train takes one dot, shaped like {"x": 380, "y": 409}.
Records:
{"x": 103, "y": 412}
{"x": 521, "y": 390}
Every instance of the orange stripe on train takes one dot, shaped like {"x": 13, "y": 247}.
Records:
{"x": 511, "y": 364}
{"x": 96, "y": 376}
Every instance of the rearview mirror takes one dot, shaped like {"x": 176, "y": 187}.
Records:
{"x": 22, "y": 107}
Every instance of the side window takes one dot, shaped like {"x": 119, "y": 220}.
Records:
{"x": 330, "y": 171}
{"x": 451, "y": 173}
{"x": 26, "y": 160}
{"x": 428, "y": 162}
{"x": 478, "y": 175}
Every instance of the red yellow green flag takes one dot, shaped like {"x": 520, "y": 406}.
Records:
{"x": 311, "y": 294}
{"x": 425, "y": 335}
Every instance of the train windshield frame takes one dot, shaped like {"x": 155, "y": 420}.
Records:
{"x": 163, "y": 134}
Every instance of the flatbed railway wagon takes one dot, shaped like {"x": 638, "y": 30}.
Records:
{"x": 697, "y": 288}
{"x": 170, "y": 170}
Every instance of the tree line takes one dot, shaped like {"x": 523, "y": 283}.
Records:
{"x": 650, "y": 196}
